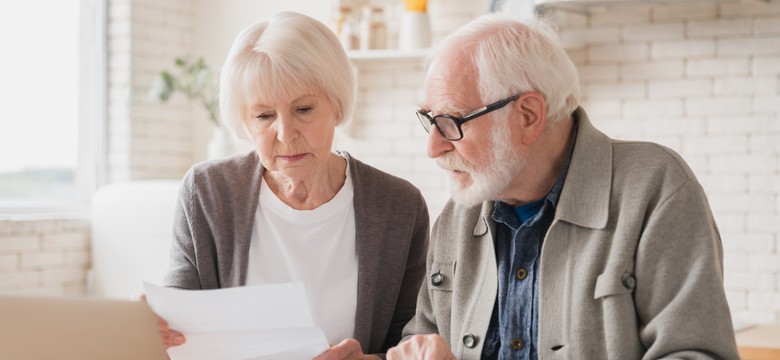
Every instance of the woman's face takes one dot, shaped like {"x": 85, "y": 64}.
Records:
{"x": 293, "y": 136}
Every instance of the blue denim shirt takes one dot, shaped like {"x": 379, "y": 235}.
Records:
{"x": 512, "y": 333}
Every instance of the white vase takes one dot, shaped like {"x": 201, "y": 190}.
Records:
{"x": 220, "y": 144}
{"x": 415, "y": 31}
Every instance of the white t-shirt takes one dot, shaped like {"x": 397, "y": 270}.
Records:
{"x": 315, "y": 247}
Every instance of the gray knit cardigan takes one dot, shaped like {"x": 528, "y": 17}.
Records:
{"x": 213, "y": 224}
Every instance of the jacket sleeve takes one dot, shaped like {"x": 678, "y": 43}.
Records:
{"x": 679, "y": 296}
{"x": 182, "y": 268}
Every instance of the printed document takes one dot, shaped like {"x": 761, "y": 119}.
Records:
{"x": 265, "y": 322}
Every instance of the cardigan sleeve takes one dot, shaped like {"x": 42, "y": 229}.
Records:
{"x": 424, "y": 321}
{"x": 413, "y": 275}
{"x": 182, "y": 268}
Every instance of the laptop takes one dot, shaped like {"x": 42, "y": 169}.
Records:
{"x": 37, "y": 328}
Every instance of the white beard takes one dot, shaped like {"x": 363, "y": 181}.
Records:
{"x": 488, "y": 183}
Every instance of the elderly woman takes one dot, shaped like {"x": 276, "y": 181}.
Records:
{"x": 293, "y": 209}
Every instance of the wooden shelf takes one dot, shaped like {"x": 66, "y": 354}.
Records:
{"x": 584, "y": 6}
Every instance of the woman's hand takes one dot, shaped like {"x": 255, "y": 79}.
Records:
{"x": 348, "y": 349}
{"x": 425, "y": 347}
{"x": 170, "y": 338}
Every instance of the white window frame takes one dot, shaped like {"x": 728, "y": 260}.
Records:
{"x": 91, "y": 165}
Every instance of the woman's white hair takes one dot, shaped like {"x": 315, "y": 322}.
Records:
{"x": 287, "y": 55}
{"x": 513, "y": 56}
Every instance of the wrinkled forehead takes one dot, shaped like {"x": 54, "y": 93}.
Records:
{"x": 451, "y": 85}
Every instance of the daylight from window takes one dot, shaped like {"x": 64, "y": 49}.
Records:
{"x": 39, "y": 88}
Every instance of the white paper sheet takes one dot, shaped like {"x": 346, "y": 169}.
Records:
{"x": 250, "y": 322}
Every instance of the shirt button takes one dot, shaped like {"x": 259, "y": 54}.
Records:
{"x": 517, "y": 344}
{"x": 521, "y": 274}
{"x": 437, "y": 279}
{"x": 470, "y": 341}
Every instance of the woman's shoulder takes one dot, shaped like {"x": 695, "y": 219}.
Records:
{"x": 227, "y": 172}
{"x": 230, "y": 165}
{"x": 378, "y": 193}
{"x": 368, "y": 178}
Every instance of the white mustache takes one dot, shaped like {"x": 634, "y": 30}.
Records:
{"x": 452, "y": 162}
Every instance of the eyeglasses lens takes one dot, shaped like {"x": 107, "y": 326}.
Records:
{"x": 448, "y": 127}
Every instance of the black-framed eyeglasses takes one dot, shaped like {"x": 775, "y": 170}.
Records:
{"x": 449, "y": 125}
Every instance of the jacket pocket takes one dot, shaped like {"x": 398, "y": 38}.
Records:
{"x": 440, "y": 283}
{"x": 615, "y": 280}
{"x": 614, "y": 290}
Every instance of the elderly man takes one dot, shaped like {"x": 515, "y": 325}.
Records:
{"x": 559, "y": 242}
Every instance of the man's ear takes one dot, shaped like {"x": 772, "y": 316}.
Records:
{"x": 532, "y": 110}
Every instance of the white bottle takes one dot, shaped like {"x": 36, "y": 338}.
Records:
{"x": 348, "y": 35}
{"x": 365, "y": 29}
{"x": 373, "y": 30}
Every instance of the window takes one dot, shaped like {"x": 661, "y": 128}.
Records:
{"x": 50, "y": 75}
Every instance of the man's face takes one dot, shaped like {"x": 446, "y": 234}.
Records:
{"x": 483, "y": 163}
{"x": 488, "y": 182}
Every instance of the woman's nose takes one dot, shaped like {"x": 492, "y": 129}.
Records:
{"x": 286, "y": 130}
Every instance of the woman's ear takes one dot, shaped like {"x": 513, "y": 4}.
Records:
{"x": 532, "y": 110}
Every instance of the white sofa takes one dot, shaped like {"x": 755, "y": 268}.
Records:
{"x": 131, "y": 234}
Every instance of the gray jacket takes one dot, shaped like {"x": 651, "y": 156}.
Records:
{"x": 631, "y": 267}
{"x": 213, "y": 228}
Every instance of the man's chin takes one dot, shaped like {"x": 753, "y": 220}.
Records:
{"x": 467, "y": 197}
{"x": 475, "y": 192}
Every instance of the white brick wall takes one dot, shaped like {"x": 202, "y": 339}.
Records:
{"x": 148, "y": 139}
{"x": 709, "y": 87}
{"x": 44, "y": 257}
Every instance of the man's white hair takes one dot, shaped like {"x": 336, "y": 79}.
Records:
{"x": 513, "y": 55}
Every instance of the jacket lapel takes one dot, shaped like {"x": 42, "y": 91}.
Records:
{"x": 589, "y": 180}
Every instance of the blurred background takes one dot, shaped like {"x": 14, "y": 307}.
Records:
{"x": 90, "y": 156}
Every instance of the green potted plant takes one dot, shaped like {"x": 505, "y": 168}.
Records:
{"x": 195, "y": 80}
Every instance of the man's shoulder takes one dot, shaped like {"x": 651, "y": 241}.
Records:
{"x": 648, "y": 168}
{"x": 642, "y": 158}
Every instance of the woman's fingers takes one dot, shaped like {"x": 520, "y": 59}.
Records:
{"x": 173, "y": 338}
{"x": 169, "y": 337}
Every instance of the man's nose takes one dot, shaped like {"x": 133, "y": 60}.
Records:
{"x": 437, "y": 144}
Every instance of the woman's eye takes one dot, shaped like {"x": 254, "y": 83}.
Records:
{"x": 265, "y": 116}
{"x": 304, "y": 109}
